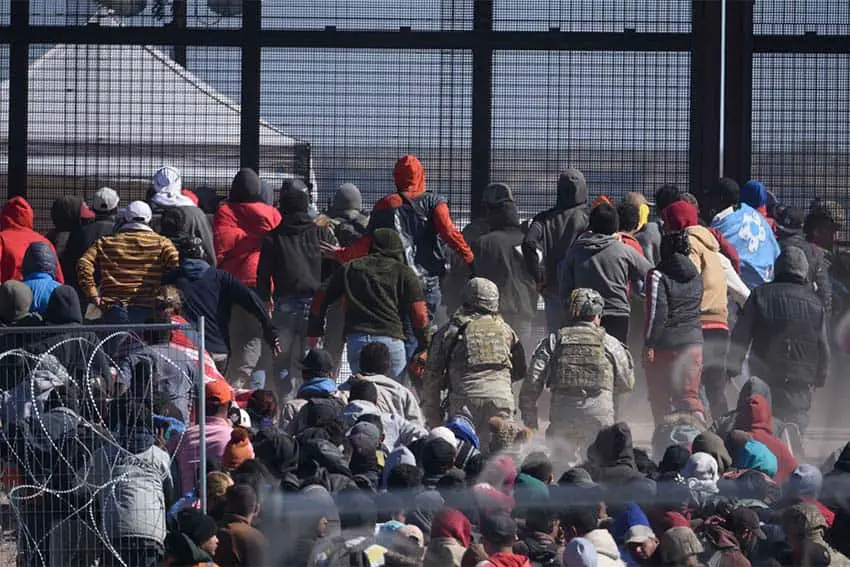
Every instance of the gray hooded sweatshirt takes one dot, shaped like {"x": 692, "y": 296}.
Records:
{"x": 602, "y": 262}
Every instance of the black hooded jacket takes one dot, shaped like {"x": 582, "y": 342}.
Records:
{"x": 613, "y": 455}
{"x": 784, "y": 323}
{"x": 552, "y": 232}
{"x": 819, "y": 266}
{"x": 498, "y": 257}
{"x": 673, "y": 299}
{"x": 291, "y": 260}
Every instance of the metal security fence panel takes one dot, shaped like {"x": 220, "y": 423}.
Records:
{"x": 92, "y": 417}
{"x": 114, "y": 114}
{"x": 780, "y": 17}
{"x": 801, "y": 142}
{"x": 622, "y": 118}
{"x": 363, "y": 109}
{"x": 369, "y": 15}
{"x": 655, "y": 16}
{"x": 136, "y": 13}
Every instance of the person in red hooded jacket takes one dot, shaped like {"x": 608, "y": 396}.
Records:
{"x": 423, "y": 217}
{"x": 239, "y": 226}
{"x": 16, "y": 235}
{"x": 755, "y": 418}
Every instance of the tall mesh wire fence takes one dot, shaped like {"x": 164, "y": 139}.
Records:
{"x": 92, "y": 418}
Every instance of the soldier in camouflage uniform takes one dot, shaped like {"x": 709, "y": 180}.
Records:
{"x": 583, "y": 366}
{"x": 475, "y": 356}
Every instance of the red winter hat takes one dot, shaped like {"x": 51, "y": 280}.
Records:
{"x": 679, "y": 216}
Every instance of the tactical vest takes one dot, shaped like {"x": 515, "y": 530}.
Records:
{"x": 482, "y": 345}
{"x": 579, "y": 362}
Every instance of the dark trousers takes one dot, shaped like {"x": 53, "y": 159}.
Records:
{"x": 715, "y": 351}
{"x": 135, "y": 551}
{"x": 791, "y": 403}
{"x": 618, "y": 327}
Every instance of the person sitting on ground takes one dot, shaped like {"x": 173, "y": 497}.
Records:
{"x": 240, "y": 544}
{"x": 16, "y": 235}
{"x": 393, "y": 398}
{"x": 498, "y": 533}
{"x": 191, "y": 540}
{"x": 804, "y": 527}
{"x": 680, "y": 547}
{"x": 363, "y": 402}
{"x": 317, "y": 370}
{"x": 39, "y": 270}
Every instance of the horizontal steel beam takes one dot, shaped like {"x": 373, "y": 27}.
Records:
{"x": 348, "y": 39}
{"x": 806, "y": 43}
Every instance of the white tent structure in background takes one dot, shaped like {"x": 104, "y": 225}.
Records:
{"x": 113, "y": 114}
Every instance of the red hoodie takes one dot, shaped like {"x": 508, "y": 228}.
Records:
{"x": 681, "y": 214}
{"x": 409, "y": 177}
{"x": 756, "y": 419}
{"x": 503, "y": 559}
{"x": 16, "y": 234}
{"x": 238, "y": 231}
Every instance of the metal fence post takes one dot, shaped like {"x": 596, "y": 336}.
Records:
{"x": 738, "y": 111}
{"x": 482, "y": 105}
{"x": 19, "y": 53}
{"x": 251, "y": 54}
{"x": 202, "y": 414}
{"x": 705, "y": 96}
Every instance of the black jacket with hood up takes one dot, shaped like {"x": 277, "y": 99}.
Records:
{"x": 291, "y": 259}
{"x": 552, "y": 232}
{"x": 673, "y": 299}
{"x": 498, "y": 258}
{"x": 819, "y": 265}
{"x": 784, "y": 324}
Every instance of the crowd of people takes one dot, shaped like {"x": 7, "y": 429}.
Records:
{"x": 427, "y": 451}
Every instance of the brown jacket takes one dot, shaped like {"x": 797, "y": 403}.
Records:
{"x": 240, "y": 544}
{"x": 704, "y": 255}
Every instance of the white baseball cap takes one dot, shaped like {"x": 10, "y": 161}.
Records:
{"x": 105, "y": 199}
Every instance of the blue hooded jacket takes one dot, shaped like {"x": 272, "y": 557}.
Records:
{"x": 39, "y": 270}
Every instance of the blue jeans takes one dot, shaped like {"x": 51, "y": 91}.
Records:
{"x": 118, "y": 314}
{"x": 433, "y": 298}
{"x": 398, "y": 356}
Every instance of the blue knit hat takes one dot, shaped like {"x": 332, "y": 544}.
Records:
{"x": 756, "y": 456}
{"x": 754, "y": 193}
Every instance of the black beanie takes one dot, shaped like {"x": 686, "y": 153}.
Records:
{"x": 246, "y": 187}
{"x": 438, "y": 456}
{"x": 294, "y": 201}
{"x": 196, "y": 525}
